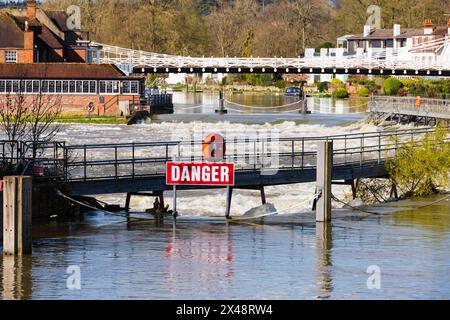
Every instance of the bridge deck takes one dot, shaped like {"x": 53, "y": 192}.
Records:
{"x": 391, "y": 107}
{"x": 133, "y": 167}
{"x": 244, "y": 179}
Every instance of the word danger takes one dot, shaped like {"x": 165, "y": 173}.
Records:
{"x": 178, "y": 173}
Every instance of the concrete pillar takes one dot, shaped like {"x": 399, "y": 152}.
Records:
{"x": 221, "y": 109}
{"x": 323, "y": 182}
{"x": 228, "y": 201}
{"x": 17, "y": 208}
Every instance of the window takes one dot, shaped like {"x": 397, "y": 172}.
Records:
{"x": 58, "y": 86}
{"x": 86, "y": 86}
{"x": 51, "y": 86}
{"x": 65, "y": 86}
{"x": 130, "y": 87}
{"x": 134, "y": 87}
{"x": 79, "y": 86}
{"x": 16, "y": 87}
{"x": 72, "y": 86}
{"x": 29, "y": 86}
{"x": 36, "y": 86}
{"x": 45, "y": 86}
{"x": 109, "y": 86}
{"x": 92, "y": 87}
{"x": 126, "y": 87}
{"x": 10, "y": 56}
{"x": 8, "y": 85}
{"x": 376, "y": 44}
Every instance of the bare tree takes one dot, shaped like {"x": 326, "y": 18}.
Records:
{"x": 14, "y": 116}
{"x": 43, "y": 111}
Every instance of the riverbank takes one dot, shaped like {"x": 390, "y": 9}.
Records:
{"x": 93, "y": 119}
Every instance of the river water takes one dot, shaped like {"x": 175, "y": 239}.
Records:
{"x": 399, "y": 253}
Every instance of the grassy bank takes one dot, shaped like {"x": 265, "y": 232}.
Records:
{"x": 93, "y": 119}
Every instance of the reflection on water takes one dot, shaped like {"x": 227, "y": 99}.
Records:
{"x": 209, "y": 259}
{"x": 264, "y": 103}
{"x": 324, "y": 262}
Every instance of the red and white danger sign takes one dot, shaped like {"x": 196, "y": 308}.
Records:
{"x": 191, "y": 173}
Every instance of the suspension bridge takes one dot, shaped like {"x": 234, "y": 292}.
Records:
{"x": 402, "y": 61}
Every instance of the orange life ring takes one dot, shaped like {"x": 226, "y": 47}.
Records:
{"x": 213, "y": 147}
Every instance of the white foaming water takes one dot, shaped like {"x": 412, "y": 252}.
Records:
{"x": 286, "y": 198}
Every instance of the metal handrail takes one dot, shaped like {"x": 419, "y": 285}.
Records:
{"x": 104, "y": 161}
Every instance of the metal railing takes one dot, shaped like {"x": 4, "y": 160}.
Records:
{"x": 395, "y": 60}
{"x": 436, "y": 108}
{"x": 134, "y": 160}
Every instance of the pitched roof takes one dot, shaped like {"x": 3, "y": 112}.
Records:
{"x": 11, "y": 36}
{"x": 383, "y": 34}
{"x": 50, "y": 39}
{"x": 12, "y": 26}
{"x": 60, "y": 71}
{"x": 59, "y": 18}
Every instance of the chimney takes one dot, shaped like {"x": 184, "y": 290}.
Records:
{"x": 397, "y": 30}
{"x": 448, "y": 26}
{"x": 366, "y": 30}
{"x": 31, "y": 9}
{"x": 428, "y": 27}
{"x": 28, "y": 44}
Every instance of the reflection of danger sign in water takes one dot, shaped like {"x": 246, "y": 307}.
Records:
{"x": 187, "y": 173}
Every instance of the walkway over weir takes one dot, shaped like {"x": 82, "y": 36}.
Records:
{"x": 410, "y": 109}
{"x": 330, "y": 61}
{"x": 134, "y": 167}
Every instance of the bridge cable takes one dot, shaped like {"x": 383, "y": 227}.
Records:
{"x": 434, "y": 202}
{"x": 352, "y": 207}
{"x": 256, "y": 107}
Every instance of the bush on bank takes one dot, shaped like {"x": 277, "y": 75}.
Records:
{"x": 391, "y": 86}
{"x": 421, "y": 167}
{"x": 363, "y": 92}
{"x": 340, "y": 93}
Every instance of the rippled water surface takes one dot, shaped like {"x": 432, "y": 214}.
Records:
{"x": 210, "y": 259}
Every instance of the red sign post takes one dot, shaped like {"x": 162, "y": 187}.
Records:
{"x": 191, "y": 173}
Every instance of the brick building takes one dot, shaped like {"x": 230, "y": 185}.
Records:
{"x": 39, "y": 54}
{"x": 77, "y": 85}
{"x": 34, "y": 35}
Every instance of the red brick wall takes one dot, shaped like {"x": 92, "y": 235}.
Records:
{"x": 28, "y": 45}
{"x": 23, "y": 56}
{"x": 77, "y": 103}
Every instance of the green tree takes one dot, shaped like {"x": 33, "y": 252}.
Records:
{"x": 391, "y": 86}
{"x": 420, "y": 167}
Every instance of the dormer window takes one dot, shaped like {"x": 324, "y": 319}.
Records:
{"x": 10, "y": 56}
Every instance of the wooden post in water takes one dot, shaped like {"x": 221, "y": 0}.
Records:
{"x": 17, "y": 208}
{"x": 323, "y": 183}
